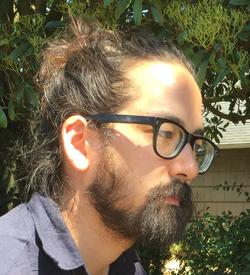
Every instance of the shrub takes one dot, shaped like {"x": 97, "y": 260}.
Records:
{"x": 217, "y": 245}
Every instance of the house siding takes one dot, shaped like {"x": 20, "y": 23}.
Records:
{"x": 236, "y": 136}
{"x": 231, "y": 166}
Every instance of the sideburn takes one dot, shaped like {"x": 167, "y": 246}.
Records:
{"x": 107, "y": 192}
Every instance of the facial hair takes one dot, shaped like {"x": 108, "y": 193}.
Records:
{"x": 155, "y": 223}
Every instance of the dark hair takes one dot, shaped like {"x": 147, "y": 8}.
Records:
{"x": 84, "y": 73}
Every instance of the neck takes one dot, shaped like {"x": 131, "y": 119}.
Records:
{"x": 98, "y": 246}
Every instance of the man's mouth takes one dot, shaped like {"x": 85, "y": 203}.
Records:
{"x": 173, "y": 201}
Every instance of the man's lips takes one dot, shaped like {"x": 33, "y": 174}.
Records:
{"x": 173, "y": 201}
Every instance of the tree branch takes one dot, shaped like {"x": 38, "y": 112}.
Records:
{"x": 215, "y": 99}
{"x": 233, "y": 117}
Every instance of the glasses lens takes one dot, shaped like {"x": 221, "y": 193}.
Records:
{"x": 204, "y": 152}
{"x": 169, "y": 140}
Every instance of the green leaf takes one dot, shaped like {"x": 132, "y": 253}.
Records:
{"x": 31, "y": 95}
{"x": 188, "y": 51}
{"x": 137, "y": 11}
{"x": 222, "y": 62}
{"x": 107, "y": 3}
{"x": 1, "y": 89}
{"x": 23, "y": 49}
{"x": 19, "y": 93}
{"x": 4, "y": 41}
{"x": 247, "y": 28}
{"x": 239, "y": 2}
{"x": 201, "y": 74}
{"x": 121, "y": 6}
{"x": 198, "y": 58}
{"x": 220, "y": 77}
{"x": 11, "y": 110}
{"x": 244, "y": 36}
{"x": 220, "y": 134}
{"x": 157, "y": 11}
{"x": 212, "y": 58}
{"x": 55, "y": 24}
{"x": 181, "y": 37}
{"x": 217, "y": 140}
{"x": 2, "y": 54}
{"x": 3, "y": 119}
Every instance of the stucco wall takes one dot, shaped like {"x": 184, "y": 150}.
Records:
{"x": 232, "y": 165}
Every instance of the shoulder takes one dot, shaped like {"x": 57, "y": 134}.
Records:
{"x": 16, "y": 226}
{"x": 16, "y": 233}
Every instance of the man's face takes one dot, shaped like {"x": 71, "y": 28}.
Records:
{"x": 139, "y": 195}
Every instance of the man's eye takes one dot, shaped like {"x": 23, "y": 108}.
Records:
{"x": 199, "y": 149}
{"x": 166, "y": 134}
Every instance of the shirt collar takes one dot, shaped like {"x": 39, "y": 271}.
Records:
{"x": 55, "y": 237}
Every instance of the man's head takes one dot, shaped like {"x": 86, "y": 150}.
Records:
{"x": 134, "y": 171}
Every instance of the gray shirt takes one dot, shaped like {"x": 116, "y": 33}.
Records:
{"x": 35, "y": 240}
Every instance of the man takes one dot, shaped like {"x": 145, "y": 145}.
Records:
{"x": 120, "y": 141}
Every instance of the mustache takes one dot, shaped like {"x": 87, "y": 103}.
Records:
{"x": 174, "y": 188}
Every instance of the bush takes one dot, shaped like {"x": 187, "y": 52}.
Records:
{"x": 153, "y": 260}
{"x": 217, "y": 245}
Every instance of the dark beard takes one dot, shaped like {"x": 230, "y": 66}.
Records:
{"x": 160, "y": 224}
{"x": 155, "y": 223}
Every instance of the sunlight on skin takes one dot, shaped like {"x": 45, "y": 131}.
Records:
{"x": 162, "y": 83}
{"x": 162, "y": 73}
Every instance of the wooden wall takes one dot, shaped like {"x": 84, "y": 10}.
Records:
{"x": 231, "y": 166}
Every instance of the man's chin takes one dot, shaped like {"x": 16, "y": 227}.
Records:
{"x": 162, "y": 243}
{"x": 165, "y": 227}
{"x": 163, "y": 240}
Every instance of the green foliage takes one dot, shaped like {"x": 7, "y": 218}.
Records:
{"x": 137, "y": 11}
{"x": 21, "y": 46}
{"x": 217, "y": 244}
{"x": 121, "y": 6}
{"x": 196, "y": 21}
{"x": 84, "y": 10}
{"x": 153, "y": 259}
{"x": 3, "y": 118}
{"x": 107, "y": 3}
{"x": 156, "y": 9}
{"x": 215, "y": 127}
{"x": 214, "y": 36}
{"x": 239, "y": 2}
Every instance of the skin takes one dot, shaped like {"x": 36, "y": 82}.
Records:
{"x": 161, "y": 89}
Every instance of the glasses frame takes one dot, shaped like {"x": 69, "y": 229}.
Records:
{"x": 156, "y": 123}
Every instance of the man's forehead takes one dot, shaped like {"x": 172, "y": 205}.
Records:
{"x": 158, "y": 71}
{"x": 166, "y": 89}
{"x": 151, "y": 78}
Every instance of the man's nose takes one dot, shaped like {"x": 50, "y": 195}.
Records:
{"x": 185, "y": 166}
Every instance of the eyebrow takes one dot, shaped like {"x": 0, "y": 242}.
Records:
{"x": 198, "y": 131}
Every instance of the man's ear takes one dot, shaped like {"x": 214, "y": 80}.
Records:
{"x": 74, "y": 142}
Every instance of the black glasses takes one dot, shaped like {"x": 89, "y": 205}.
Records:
{"x": 169, "y": 138}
